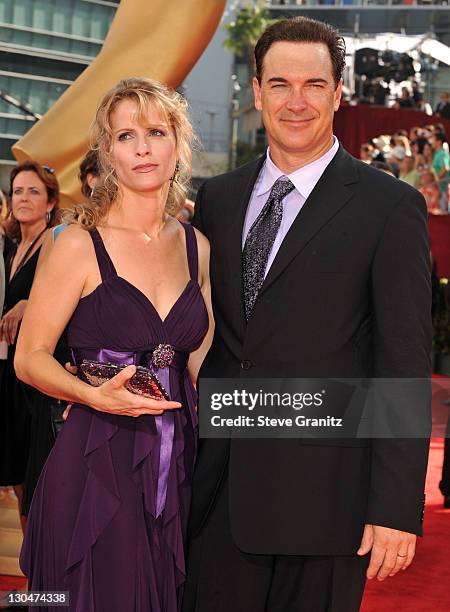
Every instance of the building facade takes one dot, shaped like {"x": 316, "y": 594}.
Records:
{"x": 44, "y": 46}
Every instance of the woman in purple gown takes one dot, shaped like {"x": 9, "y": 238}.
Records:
{"x": 108, "y": 519}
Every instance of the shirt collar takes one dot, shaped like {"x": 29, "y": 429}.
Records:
{"x": 304, "y": 179}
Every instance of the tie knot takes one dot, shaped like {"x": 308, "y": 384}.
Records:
{"x": 281, "y": 188}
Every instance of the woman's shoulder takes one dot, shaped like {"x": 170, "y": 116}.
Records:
{"x": 74, "y": 239}
{"x": 202, "y": 245}
{"x": 202, "y": 241}
{"x": 203, "y": 255}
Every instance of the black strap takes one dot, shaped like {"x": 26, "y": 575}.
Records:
{"x": 24, "y": 259}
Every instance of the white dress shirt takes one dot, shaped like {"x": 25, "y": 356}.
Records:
{"x": 304, "y": 180}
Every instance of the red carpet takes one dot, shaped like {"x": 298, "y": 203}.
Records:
{"x": 425, "y": 586}
{"x": 7, "y": 583}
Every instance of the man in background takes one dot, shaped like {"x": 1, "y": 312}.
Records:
{"x": 443, "y": 107}
{"x": 441, "y": 167}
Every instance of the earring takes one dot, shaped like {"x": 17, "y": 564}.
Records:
{"x": 48, "y": 216}
{"x": 174, "y": 178}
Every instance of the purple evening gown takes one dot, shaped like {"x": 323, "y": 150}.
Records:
{"x": 108, "y": 518}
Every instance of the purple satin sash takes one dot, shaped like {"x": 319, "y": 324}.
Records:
{"x": 165, "y": 422}
{"x": 142, "y": 357}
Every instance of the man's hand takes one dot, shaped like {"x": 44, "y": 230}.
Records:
{"x": 73, "y": 370}
{"x": 392, "y": 550}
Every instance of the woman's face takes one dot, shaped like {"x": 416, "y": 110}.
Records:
{"x": 426, "y": 178}
{"x": 420, "y": 161}
{"x": 29, "y": 199}
{"x": 427, "y": 150}
{"x": 144, "y": 156}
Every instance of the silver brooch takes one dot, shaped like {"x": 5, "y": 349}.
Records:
{"x": 163, "y": 356}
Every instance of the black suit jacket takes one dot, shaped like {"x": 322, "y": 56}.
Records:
{"x": 443, "y": 110}
{"x": 347, "y": 295}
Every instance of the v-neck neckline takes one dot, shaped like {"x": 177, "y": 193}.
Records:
{"x": 148, "y": 300}
{"x": 10, "y": 278}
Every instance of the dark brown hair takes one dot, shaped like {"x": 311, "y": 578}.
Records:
{"x": 89, "y": 165}
{"x": 441, "y": 137}
{"x": 47, "y": 176}
{"x": 302, "y": 29}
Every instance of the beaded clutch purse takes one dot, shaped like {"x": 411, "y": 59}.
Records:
{"x": 144, "y": 382}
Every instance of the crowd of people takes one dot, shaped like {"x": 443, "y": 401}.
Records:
{"x": 419, "y": 157}
{"x": 411, "y": 97}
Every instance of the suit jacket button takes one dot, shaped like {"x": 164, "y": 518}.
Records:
{"x": 246, "y": 365}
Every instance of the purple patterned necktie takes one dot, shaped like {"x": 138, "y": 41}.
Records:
{"x": 259, "y": 242}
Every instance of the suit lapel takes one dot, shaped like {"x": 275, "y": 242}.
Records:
{"x": 243, "y": 185}
{"x": 330, "y": 194}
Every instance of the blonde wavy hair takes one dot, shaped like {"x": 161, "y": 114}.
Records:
{"x": 173, "y": 108}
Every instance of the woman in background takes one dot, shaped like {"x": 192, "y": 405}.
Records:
{"x": 3, "y": 214}
{"x": 89, "y": 173}
{"x": 429, "y": 188}
{"x": 34, "y": 196}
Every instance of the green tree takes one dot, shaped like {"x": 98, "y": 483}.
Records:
{"x": 248, "y": 26}
{"x": 247, "y": 152}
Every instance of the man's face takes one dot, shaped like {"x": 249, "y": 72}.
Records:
{"x": 297, "y": 96}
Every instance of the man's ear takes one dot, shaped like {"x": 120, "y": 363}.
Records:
{"x": 257, "y": 93}
{"x": 337, "y": 96}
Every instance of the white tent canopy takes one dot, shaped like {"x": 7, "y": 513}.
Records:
{"x": 401, "y": 43}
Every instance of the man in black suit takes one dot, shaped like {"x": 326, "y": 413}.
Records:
{"x": 319, "y": 268}
{"x": 443, "y": 107}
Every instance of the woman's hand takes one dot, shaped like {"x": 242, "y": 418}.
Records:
{"x": 113, "y": 397}
{"x": 9, "y": 324}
